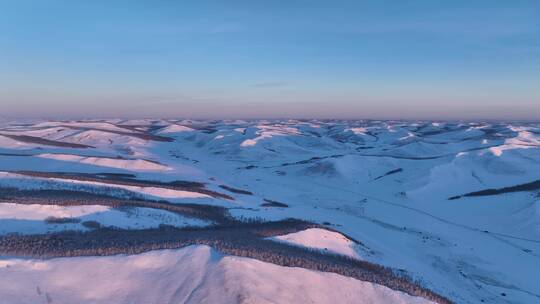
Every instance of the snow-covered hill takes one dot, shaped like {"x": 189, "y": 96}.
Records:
{"x": 196, "y": 274}
{"x": 453, "y": 205}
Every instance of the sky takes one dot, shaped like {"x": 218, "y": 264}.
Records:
{"x": 380, "y": 59}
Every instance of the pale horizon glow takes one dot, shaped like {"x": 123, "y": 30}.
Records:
{"x": 415, "y": 59}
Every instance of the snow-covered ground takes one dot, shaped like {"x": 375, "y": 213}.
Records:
{"x": 24, "y": 182}
{"x": 131, "y": 164}
{"x": 35, "y": 219}
{"x": 196, "y": 274}
{"x": 316, "y": 238}
{"x": 385, "y": 184}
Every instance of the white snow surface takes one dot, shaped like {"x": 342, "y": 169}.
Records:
{"x": 386, "y": 184}
{"x": 128, "y": 164}
{"x": 28, "y": 182}
{"x": 322, "y": 239}
{"x": 31, "y": 219}
{"x": 266, "y": 132}
{"x": 196, "y": 274}
{"x": 41, "y": 212}
{"x": 174, "y": 128}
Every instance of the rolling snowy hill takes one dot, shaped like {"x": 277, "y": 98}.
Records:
{"x": 451, "y": 208}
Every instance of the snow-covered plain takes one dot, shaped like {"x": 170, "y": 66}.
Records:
{"x": 385, "y": 184}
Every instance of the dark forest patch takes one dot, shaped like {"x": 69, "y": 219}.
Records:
{"x": 272, "y": 203}
{"x": 245, "y": 240}
{"x": 390, "y": 173}
{"x": 211, "y": 213}
{"x": 532, "y": 186}
{"x": 236, "y": 190}
{"x": 129, "y": 180}
{"x": 43, "y": 141}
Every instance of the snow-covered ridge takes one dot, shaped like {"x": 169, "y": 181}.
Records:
{"x": 196, "y": 274}
{"x": 317, "y": 238}
{"x": 20, "y": 181}
{"x": 264, "y": 132}
{"x": 386, "y": 184}
{"x": 128, "y": 164}
{"x": 34, "y": 218}
{"x": 174, "y": 128}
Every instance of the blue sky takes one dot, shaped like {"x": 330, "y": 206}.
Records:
{"x": 460, "y": 59}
